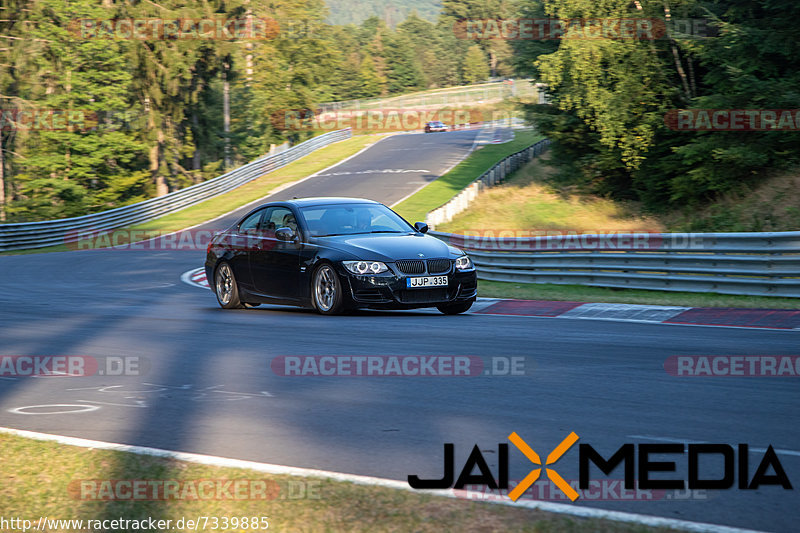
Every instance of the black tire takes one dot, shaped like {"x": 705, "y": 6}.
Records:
{"x": 327, "y": 290}
{"x": 454, "y": 309}
{"x": 225, "y": 287}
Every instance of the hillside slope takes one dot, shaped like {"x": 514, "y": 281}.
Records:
{"x": 392, "y": 12}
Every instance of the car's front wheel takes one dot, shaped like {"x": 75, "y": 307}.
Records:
{"x": 327, "y": 291}
{"x": 226, "y": 288}
{"x": 454, "y": 309}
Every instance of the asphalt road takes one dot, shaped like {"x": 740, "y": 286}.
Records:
{"x": 208, "y": 386}
{"x": 388, "y": 171}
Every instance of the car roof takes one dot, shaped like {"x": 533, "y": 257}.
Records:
{"x": 309, "y": 202}
{"x": 322, "y": 200}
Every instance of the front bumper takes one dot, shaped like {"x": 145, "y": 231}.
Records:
{"x": 389, "y": 291}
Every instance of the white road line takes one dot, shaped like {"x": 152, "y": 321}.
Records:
{"x": 74, "y": 408}
{"x": 560, "y": 508}
{"x": 445, "y": 171}
{"x": 781, "y": 451}
{"x": 161, "y": 286}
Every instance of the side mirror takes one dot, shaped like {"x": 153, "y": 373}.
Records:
{"x": 421, "y": 227}
{"x": 285, "y": 234}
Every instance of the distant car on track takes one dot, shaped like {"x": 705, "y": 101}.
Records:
{"x": 435, "y": 126}
{"x": 334, "y": 254}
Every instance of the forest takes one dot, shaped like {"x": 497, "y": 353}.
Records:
{"x": 94, "y": 117}
{"x": 104, "y": 103}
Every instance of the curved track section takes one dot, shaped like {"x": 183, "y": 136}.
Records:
{"x": 207, "y": 383}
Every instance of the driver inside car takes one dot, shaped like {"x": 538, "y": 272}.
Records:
{"x": 290, "y": 222}
{"x": 363, "y": 220}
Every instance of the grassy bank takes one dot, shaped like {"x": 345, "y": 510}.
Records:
{"x": 526, "y": 201}
{"x": 440, "y": 191}
{"x": 260, "y": 187}
{"x": 44, "y": 479}
{"x": 773, "y": 205}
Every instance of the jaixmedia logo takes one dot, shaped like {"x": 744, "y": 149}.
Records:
{"x": 637, "y": 461}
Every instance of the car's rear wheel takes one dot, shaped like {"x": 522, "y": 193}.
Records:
{"x": 225, "y": 287}
{"x": 326, "y": 290}
{"x": 454, "y": 309}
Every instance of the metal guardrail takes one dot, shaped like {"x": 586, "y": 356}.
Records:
{"x": 25, "y": 235}
{"x": 490, "y": 178}
{"x": 446, "y": 96}
{"x": 752, "y": 264}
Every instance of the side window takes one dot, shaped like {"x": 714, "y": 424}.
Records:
{"x": 250, "y": 224}
{"x": 282, "y": 217}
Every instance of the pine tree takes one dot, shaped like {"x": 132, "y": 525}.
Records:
{"x": 476, "y": 68}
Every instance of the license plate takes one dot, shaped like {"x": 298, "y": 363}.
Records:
{"x": 426, "y": 281}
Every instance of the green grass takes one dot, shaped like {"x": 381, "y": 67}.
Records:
{"x": 581, "y": 293}
{"x": 527, "y": 202}
{"x": 36, "y": 480}
{"x": 250, "y": 192}
{"x": 440, "y": 191}
{"x": 260, "y": 187}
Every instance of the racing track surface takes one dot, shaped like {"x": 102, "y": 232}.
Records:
{"x": 209, "y": 387}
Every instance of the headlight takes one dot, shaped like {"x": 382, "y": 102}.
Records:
{"x": 365, "y": 267}
{"x": 464, "y": 263}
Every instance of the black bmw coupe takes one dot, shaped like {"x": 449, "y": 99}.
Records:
{"x": 335, "y": 254}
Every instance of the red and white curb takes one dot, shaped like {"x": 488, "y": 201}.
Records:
{"x": 211, "y": 460}
{"x": 773, "y": 319}
{"x": 196, "y": 278}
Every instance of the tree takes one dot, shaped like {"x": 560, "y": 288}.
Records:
{"x": 612, "y": 95}
{"x": 371, "y": 82}
{"x": 82, "y": 160}
{"x": 475, "y": 66}
{"x": 498, "y": 50}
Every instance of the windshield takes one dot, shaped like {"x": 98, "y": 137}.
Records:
{"x": 353, "y": 219}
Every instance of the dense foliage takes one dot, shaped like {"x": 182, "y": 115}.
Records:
{"x": 91, "y": 120}
{"x": 613, "y": 98}
{"x": 148, "y": 115}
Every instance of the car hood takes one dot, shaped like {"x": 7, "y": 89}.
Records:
{"x": 389, "y": 247}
